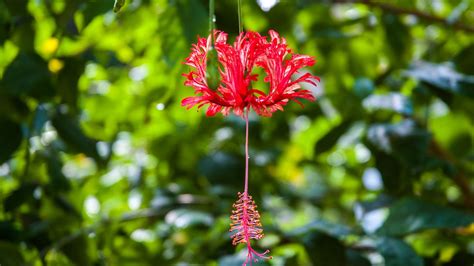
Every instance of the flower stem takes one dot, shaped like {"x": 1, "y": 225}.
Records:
{"x": 239, "y": 13}
{"x": 211, "y": 16}
{"x": 246, "y": 115}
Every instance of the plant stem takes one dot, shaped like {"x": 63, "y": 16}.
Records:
{"x": 211, "y": 16}
{"x": 246, "y": 115}
{"x": 239, "y": 13}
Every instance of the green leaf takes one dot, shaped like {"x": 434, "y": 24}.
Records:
{"x": 57, "y": 180}
{"x": 456, "y": 13}
{"x": 118, "y": 5}
{"x": 410, "y": 215}
{"x": 93, "y": 9}
{"x": 68, "y": 79}
{"x": 355, "y": 258}
{"x": 56, "y": 258}
{"x": 10, "y": 138}
{"x": 13, "y": 107}
{"x": 393, "y": 173}
{"x": 221, "y": 168}
{"x": 70, "y": 131}
{"x": 324, "y": 250}
{"x": 19, "y": 196}
{"x": 397, "y": 253}
{"x": 238, "y": 260}
{"x": 77, "y": 251}
{"x": 405, "y": 140}
{"x": 328, "y": 141}
{"x": 184, "y": 218}
{"x": 397, "y": 35}
{"x": 289, "y": 254}
{"x": 347, "y": 104}
{"x": 332, "y": 229}
{"x": 454, "y": 133}
{"x": 63, "y": 203}
{"x": 443, "y": 77}
{"x": 395, "y": 102}
{"x": 464, "y": 60}
{"x": 28, "y": 75}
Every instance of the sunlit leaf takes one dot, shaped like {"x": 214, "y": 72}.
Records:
{"x": 443, "y": 77}
{"x": 183, "y": 218}
{"x": 410, "y": 215}
{"x": 394, "y": 102}
{"x": 332, "y": 229}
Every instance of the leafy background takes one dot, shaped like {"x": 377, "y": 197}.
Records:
{"x": 100, "y": 165}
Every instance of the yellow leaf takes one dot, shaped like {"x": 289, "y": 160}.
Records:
{"x": 50, "y": 46}
{"x": 447, "y": 253}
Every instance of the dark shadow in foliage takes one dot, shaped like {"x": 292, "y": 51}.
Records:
{"x": 397, "y": 253}
{"x": 28, "y": 74}
{"x": 10, "y": 138}
{"x": 70, "y": 132}
{"x": 324, "y": 250}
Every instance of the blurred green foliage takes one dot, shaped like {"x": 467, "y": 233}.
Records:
{"x": 100, "y": 165}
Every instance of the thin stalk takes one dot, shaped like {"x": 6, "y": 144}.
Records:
{"x": 211, "y": 16}
{"x": 239, "y": 13}
{"x": 246, "y": 151}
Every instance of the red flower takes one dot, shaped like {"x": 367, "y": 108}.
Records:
{"x": 236, "y": 63}
{"x": 234, "y": 92}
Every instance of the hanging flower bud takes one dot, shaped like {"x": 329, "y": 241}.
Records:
{"x": 212, "y": 70}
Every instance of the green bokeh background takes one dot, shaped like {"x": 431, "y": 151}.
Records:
{"x": 100, "y": 165}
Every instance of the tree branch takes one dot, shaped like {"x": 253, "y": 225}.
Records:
{"x": 405, "y": 11}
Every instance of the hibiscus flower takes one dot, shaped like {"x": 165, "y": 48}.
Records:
{"x": 236, "y": 63}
